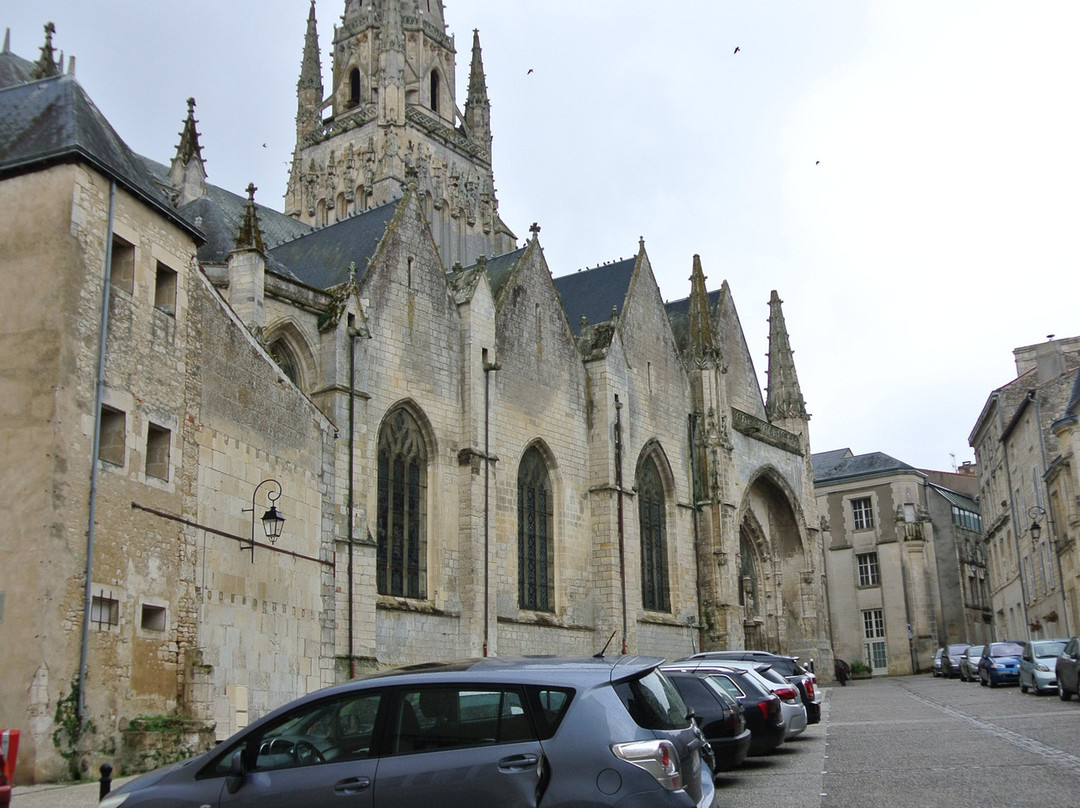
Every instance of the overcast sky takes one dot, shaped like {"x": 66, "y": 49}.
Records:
{"x": 904, "y": 174}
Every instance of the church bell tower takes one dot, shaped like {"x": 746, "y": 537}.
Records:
{"x": 390, "y": 119}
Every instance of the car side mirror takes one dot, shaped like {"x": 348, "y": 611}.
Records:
{"x": 235, "y": 777}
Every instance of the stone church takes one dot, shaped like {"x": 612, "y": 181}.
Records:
{"x": 474, "y": 453}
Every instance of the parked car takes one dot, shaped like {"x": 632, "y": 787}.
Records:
{"x": 791, "y": 706}
{"x": 719, "y": 714}
{"x": 786, "y": 666}
{"x": 1067, "y": 670}
{"x": 1000, "y": 664}
{"x": 1038, "y": 665}
{"x": 969, "y": 663}
{"x": 761, "y": 707}
{"x": 950, "y": 660}
{"x": 936, "y": 667}
{"x": 493, "y": 731}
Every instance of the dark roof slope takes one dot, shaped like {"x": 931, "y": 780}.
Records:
{"x": 678, "y": 312}
{"x": 53, "y": 121}
{"x": 219, "y": 213}
{"x": 321, "y": 258}
{"x": 593, "y": 293}
{"x": 13, "y": 69}
{"x": 831, "y": 467}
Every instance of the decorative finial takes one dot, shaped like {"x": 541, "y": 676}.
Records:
{"x": 534, "y": 229}
{"x": 251, "y": 189}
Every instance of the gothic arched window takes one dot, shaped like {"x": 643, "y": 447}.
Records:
{"x": 401, "y": 531}
{"x": 354, "y": 87}
{"x": 434, "y": 91}
{"x": 284, "y": 355}
{"x": 536, "y": 550}
{"x": 652, "y": 523}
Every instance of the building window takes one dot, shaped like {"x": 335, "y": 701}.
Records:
{"x": 153, "y": 618}
{"x": 354, "y": 87}
{"x": 535, "y": 543}
{"x": 868, "y": 569}
{"x": 402, "y": 508}
{"x": 862, "y": 512}
{"x": 652, "y": 523}
{"x": 874, "y": 638}
{"x": 282, "y": 353}
{"x": 113, "y": 435}
{"x": 104, "y": 611}
{"x": 122, "y": 269}
{"x": 434, "y": 91}
{"x": 158, "y": 442}
{"x": 165, "y": 290}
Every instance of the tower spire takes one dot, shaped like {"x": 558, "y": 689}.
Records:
{"x": 702, "y": 344}
{"x": 187, "y": 173}
{"x": 784, "y": 400}
{"x": 477, "y": 104}
{"x": 249, "y": 236}
{"x": 46, "y": 66}
{"x": 309, "y": 87}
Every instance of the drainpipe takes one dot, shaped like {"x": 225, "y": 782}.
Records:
{"x": 98, "y": 396}
{"x": 1015, "y": 524}
{"x": 619, "y": 494}
{"x": 352, "y": 443}
{"x": 1050, "y": 515}
{"x": 488, "y": 367}
{"x": 691, "y": 431}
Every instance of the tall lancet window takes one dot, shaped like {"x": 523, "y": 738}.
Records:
{"x": 536, "y": 551}
{"x": 354, "y": 87}
{"x": 401, "y": 555}
{"x": 652, "y": 524}
{"x": 434, "y": 91}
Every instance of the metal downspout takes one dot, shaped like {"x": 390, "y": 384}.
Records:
{"x": 352, "y": 443}
{"x": 487, "y": 367}
{"x": 691, "y": 431}
{"x": 619, "y": 494}
{"x": 98, "y": 396}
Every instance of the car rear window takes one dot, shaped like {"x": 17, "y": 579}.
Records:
{"x": 653, "y": 702}
{"x": 549, "y": 706}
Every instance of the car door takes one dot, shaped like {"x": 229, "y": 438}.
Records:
{"x": 459, "y": 746}
{"x": 321, "y": 755}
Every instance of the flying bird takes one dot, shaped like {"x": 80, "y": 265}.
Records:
{"x": 817, "y": 162}
{"x": 264, "y": 145}
{"x": 736, "y": 49}
{"x": 530, "y": 71}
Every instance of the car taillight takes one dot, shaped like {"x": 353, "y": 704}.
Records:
{"x": 787, "y": 693}
{"x": 658, "y": 758}
{"x": 766, "y": 708}
{"x": 809, "y": 685}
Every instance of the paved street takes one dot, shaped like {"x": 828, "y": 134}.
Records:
{"x": 921, "y": 741}
{"x": 904, "y": 741}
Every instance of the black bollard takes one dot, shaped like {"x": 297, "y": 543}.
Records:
{"x": 106, "y": 781}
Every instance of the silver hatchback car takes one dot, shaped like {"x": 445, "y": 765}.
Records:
{"x": 498, "y": 731}
{"x": 1037, "y": 665}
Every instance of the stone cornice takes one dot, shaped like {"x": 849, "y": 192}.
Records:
{"x": 765, "y": 432}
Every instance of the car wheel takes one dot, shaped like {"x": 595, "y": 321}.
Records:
{"x": 1023, "y": 688}
{"x": 1063, "y": 694}
{"x": 982, "y": 681}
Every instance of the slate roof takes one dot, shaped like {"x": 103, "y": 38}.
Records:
{"x": 1070, "y": 413}
{"x": 500, "y": 268}
{"x": 321, "y": 258}
{"x": 955, "y": 498}
{"x": 13, "y": 69}
{"x": 595, "y": 292}
{"x": 219, "y": 214}
{"x": 837, "y": 465}
{"x": 54, "y": 121}
{"x": 678, "y": 312}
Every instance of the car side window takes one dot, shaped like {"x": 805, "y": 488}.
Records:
{"x": 450, "y": 717}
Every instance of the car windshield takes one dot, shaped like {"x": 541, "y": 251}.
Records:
{"x": 973, "y": 651}
{"x": 1047, "y": 649}
{"x": 1000, "y": 649}
{"x": 956, "y": 650}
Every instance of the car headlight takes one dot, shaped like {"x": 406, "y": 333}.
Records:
{"x": 1042, "y": 667}
{"x": 998, "y": 665}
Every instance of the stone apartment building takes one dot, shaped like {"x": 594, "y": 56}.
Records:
{"x": 906, "y": 569}
{"x": 1024, "y": 441}
{"x": 473, "y": 454}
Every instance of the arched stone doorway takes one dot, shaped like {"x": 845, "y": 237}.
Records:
{"x": 776, "y": 601}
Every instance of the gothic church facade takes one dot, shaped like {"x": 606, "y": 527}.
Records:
{"x": 475, "y": 454}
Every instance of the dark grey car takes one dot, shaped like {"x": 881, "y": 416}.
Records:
{"x": 496, "y": 731}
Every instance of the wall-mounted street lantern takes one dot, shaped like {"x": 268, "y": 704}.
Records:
{"x": 272, "y": 520}
{"x": 1036, "y": 529}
